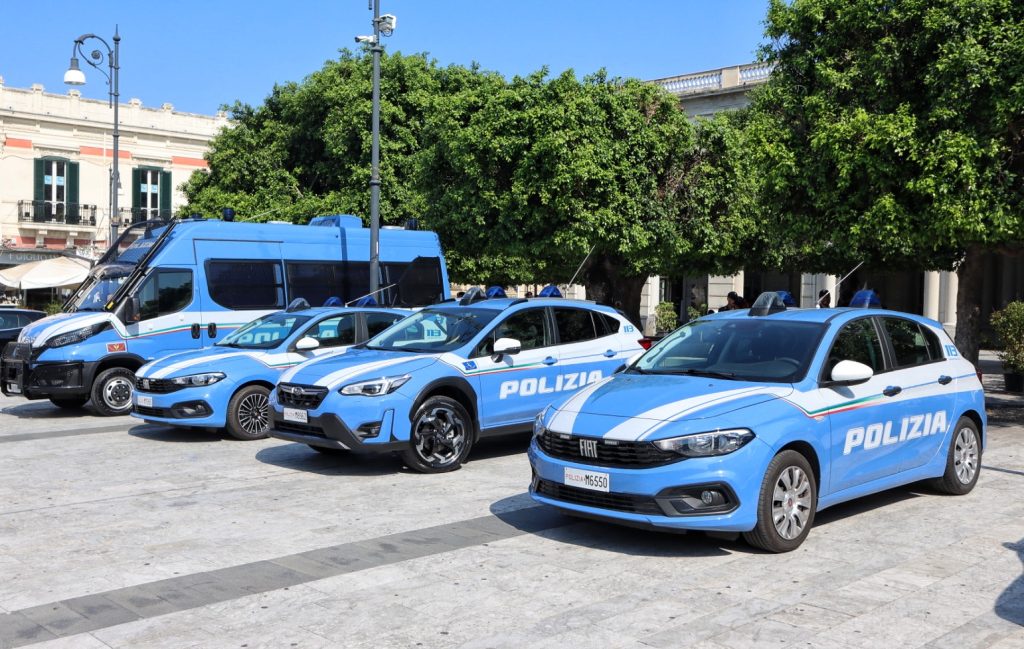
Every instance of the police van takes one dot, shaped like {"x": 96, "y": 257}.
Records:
{"x": 167, "y": 287}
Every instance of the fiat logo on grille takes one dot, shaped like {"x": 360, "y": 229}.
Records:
{"x": 588, "y": 448}
{"x": 145, "y": 384}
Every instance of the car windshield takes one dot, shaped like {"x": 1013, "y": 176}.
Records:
{"x": 751, "y": 349}
{"x": 265, "y": 333}
{"x": 433, "y": 330}
{"x": 99, "y": 287}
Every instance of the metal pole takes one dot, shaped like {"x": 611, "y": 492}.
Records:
{"x": 115, "y": 180}
{"x": 375, "y": 157}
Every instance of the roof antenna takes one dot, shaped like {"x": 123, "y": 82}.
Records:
{"x": 845, "y": 277}
{"x": 382, "y": 288}
{"x": 581, "y": 266}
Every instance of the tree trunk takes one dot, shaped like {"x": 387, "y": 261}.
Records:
{"x": 606, "y": 285}
{"x": 970, "y": 276}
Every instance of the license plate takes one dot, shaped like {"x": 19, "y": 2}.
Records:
{"x": 296, "y": 415}
{"x": 592, "y": 480}
{"x": 13, "y": 388}
{"x": 145, "y": 402}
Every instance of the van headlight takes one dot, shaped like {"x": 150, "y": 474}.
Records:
{"x": 719, "y": 442}
{"x": 376, "y": 387}
{"x": 206, "y": 378}
{"x": 77, "y": 335}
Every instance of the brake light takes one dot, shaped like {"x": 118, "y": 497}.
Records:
{"x": 977, "y": 370}
{"x": 645, "y": 342}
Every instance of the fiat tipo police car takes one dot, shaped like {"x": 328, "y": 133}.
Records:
{"x": 227, "y": 385}
{"x": 752, "y": 421}
{"x": 433, "y": 383}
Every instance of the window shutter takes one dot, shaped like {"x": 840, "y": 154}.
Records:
{"x": 72, "y": 192}
{"x": 40, "y": 166}
{"x": 136, "y": 189}
{"x": 165, "y": 194}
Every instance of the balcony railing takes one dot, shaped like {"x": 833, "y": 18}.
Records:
{"x": 58, "y": 213}
{"x": 715, "y": 80}
{"x": 133, "y": 215}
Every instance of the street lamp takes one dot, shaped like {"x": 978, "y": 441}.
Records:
{"x": 382, "y": 26}
{"x": 75, "y": 77}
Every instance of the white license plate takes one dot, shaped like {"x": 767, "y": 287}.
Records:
{"x": 13, "y": 388}
{"x": 592, "y": 480}
{"x": 296, "y": 415}
{"x": 145, "y": 402}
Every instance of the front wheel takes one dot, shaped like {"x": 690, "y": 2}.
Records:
{"x": 112, "y": 391}
{"x": 248, "y": 415}
{"x": 786, "y": 504}
{"x": 442, "y": 435}
{"x": 963, "y": 461}
{"x": 69, "y": 403}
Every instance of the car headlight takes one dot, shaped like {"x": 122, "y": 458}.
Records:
{"x": 719, "y": 442}
{"x": 206, "y": 378}
{"x": 538, "y": 422}
{"x": 76, "y": 336}
{"x": 376, "y": 387}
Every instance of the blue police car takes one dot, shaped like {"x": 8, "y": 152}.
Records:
{"x": 436, "y": 381}
{"x": 227, "y": 385}
{"x": 752, "y": 421}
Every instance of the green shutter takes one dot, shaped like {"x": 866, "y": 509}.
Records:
{"x": 165, "y": 194}
{"x": 136, "y": 189}
{"x": 40, "y": 165}
{"x": 72, "y": 192}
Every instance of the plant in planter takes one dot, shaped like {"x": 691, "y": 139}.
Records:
{"x": 1009, "y": 326}
{"x": 665, "y": 317}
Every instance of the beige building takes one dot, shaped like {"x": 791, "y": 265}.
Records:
{"x": 55, "y": 168}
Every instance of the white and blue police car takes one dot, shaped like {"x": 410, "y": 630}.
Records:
{"x": 437, "y": 381}
{"x": 227, "y": 385}
{"x": 752, "y": 421}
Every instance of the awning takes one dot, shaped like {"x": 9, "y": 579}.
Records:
{"x": 57, "y": 272}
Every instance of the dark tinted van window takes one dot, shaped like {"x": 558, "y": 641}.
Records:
{"x": 238, "y": 284}
{"x": 166, "y": 291}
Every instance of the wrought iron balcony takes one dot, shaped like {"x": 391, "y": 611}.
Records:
{"x": 57, "y": 213}
{"x": 140, "y": 214}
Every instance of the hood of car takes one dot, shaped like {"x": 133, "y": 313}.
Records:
{"x": 633, "y": 406}
{"x": 211, "y": 359}
{"x": 356, "y": 364}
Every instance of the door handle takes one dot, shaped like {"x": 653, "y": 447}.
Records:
{"x": 211, "y": 330}
{"x": 892, "y": 390}
{"x": 550, "y": 360}
{"x": 195, "y": 330}
{"x": 609, "y": 353}
{"x": 945, "y": 380}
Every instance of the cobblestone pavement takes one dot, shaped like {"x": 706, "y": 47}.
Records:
{"x": 119, "y": 534}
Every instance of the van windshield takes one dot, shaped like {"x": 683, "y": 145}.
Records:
{"x": 433, "y": 330}
{"x": 99, "y": 287}
{"x": 264, "y": 333}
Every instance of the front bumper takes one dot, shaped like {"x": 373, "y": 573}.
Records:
{"x": 20, "y": 376}
{"x": 329, "y": 431}
{"x": 649, "y": 497}
{"x": 195, "y": 406}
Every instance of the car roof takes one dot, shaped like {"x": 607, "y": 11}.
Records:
{"x": 839, "y": 314}
{"x": 324, "y": 310}
{"x": 6, "y": 309}
{"x": 500, "y": 304}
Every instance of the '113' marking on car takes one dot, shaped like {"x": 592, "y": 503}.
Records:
{"x": 531, "y": 386}
{"x": 881, "y": 434}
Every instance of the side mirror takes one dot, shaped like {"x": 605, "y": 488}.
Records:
{"x": 504, "y": 346}
{"x": 132, "y": 310}
{"x": 850, "y": 373}
{"x": 306, "y": 343}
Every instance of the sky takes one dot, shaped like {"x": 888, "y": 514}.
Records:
{"x": 199, "y": 55}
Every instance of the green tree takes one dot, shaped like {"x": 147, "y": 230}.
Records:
{"x": 890, "y": 132}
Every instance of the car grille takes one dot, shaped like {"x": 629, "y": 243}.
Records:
{"x": 159, "y": 386}
{"x": 302, "y": 429}
{"x": 150, "y": 412}
{"x": 17, "y": 352}
{"x": 610, "y": 453}
{"x": 307, "y": 397}
{"x": 599, "y": 499}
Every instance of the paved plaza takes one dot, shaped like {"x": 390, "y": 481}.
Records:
{"x": 114, "y": 533}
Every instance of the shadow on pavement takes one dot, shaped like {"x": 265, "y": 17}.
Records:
{"x": 302, "y": 458}
{"x": 865, "y": 504}
{"x": 157, "y": 433}
{"x": 1010, "y": 604}
{"x": 46, "y": 410}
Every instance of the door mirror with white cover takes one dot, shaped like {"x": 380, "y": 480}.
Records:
{"x": 509, "y": 346}
{"x": 306, "y": 343}
{"x": 850, "y": 373}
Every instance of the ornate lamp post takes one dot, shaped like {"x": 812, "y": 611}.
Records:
{"x": 75, "y": 77}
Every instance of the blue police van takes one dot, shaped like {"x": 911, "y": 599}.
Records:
{"x": 167, "y": 287}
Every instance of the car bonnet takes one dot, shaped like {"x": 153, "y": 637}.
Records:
{"x": 356, "y": 364}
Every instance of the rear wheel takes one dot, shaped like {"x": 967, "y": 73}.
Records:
{"x": 248, "y": 415}
{"x": 69, "y": 403}
{"x": 112, "y": 391}
{"x": 442, "y": 435}
{"x": 963, "y": 461}
{"x": 786, "y": 504}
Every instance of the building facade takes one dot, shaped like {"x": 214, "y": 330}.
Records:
{"x": 56, "y": 154}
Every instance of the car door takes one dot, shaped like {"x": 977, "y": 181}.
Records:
{"x": 515, "y": 387}
{"x": 167, "y": 305}
{"x": 587, "y": 350}
{"x": 333, "y": 334}
{"x": 862, "y": 418}
{"x": 928, "y": 392}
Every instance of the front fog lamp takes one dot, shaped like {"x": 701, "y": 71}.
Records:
{"x": 376, "y": 387}
{"x": 719, "y": 442}
{"x": 207, "y": 378}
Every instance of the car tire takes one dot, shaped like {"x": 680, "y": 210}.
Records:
{"x": 112, "y": 391}
{"x": 963, "y": 460}
{"x": 69, "y": 403}
{"x": 248, "y": 415}
{"x": 441, "y": 437}
{"x": 327, "y": 450}
{"x": 785, "y": 505}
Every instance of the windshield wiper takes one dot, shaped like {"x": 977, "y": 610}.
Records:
{"x": 711, "y": 373}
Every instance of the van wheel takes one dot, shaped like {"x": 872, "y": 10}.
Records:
{"x": 112, "y": 391}
{"x": 69, "y": 403}
{"x": 786, "y": 504}
{"x": 963, "y": 461}
{"x": 249, "y": 413}
{"x": 442, "y": 435}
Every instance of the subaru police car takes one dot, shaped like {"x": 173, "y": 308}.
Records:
{"x": 753, "y": 420}
{"x": 436, "y": 381}
{"x": 227, "y": 385}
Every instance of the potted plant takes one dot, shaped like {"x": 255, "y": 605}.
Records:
{"x": 1009, "y": 326}
{"x": 665, "y": 317}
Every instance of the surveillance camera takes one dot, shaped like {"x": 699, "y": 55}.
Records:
{"x": 387, "y": 23}
{"x": 366, "y": 39}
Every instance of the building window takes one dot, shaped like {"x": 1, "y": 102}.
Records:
{"x": 56, "y": 190}
{"x": 151, "y": 194}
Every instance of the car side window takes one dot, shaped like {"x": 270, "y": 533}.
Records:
{"x": 335, "y": 332}
{"x": 605, "y": 324}
{"x": 574, "y": 325}
{"x": 856, "y": 341}
{"x": 165, "y": 292}
{"x": 527, "y": 326}
{"x": 378, "y": 322}
{"x": 909, "y": 343}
